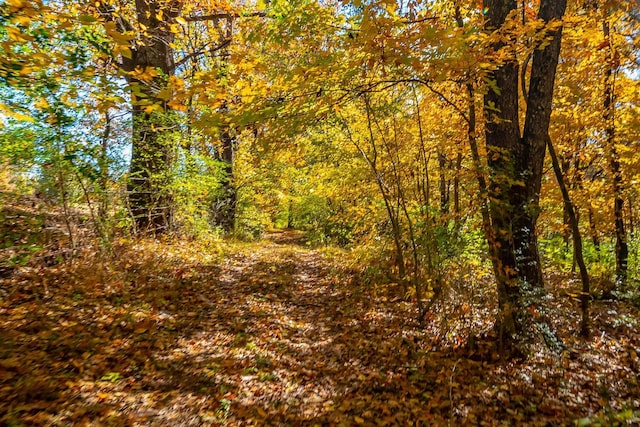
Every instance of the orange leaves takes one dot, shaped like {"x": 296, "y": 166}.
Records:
{"x": 145, "y": 74}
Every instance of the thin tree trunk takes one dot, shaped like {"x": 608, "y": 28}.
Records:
{"x": 444, "y": 188}
{"x": 566, "y": 234}
{"x": 456, "y": 192}
{"x": 631, "y": 219}
{"x": 224, "y": 211}
{"x": 621, "y": 249}
{"x": 577, "y": 241}
{"x": 103, "y": 165}
{"x": 595, "y": 239}
{"x": 593, "y": 229}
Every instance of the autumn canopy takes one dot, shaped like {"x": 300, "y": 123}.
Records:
{"x": 460, "y": 176}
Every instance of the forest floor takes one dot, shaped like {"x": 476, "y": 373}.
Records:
{"x": 275, "y": 333}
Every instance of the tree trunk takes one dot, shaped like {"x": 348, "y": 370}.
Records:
{"x": 577, "y": 241}
{"x": 566, "y": 221}
{"x": 630, "y": 205}
{"x": 593, "y": 228}
{"x": 103, "y": 169}
{"x": 515, "y": 168}
{"x": 224, "y": 211}
{"x": 456, "y": 192}
{"x": 148, "y": 69}
{"x": 622, "y": 250}
{"x": 503, "y": 146}
{"x": 595, "y": 239}
{"x": 444, "y": 187}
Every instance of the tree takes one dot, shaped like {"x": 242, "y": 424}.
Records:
{"x": 611, "y": 69}
{"x": 516, "y": 157}
{"x": 145, "y": 37}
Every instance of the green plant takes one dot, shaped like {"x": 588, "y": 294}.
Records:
{"x": 111, "y": 377}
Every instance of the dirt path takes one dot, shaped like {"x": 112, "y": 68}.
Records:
{"x": 273, "y": 333}
{"x": 303, "y": 345}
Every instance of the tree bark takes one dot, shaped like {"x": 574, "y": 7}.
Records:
{"x": 456, "y": 192}
{"x": 515, "y": 165}
{"x": 153, "y": 141}
{"x": 444, "y": 185}
{"x": 578, "y": 255}
{"x": 621, "y": 249}
{"x": 224, "y": 211}
{"x": 153, "y": 130}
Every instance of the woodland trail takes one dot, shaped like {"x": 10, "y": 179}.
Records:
{"x": 308, "y": 346}
{"x": 270, "y": 333}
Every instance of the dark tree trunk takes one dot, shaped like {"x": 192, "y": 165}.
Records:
{"x": 444, "y": 185}
{"x": 595, "y": 239}
{"x": 456, "y": 192}
{"x": 515, "y": 166}
{"x": 622, "y": 250}
{"x": 153, "y": 123}
{"x": 535, "y": 134}
{"x": 224, "y": 209}
{"x": 504, "y": 146}
{"x": 566, "y": 234}
{"x": 632, "y": 230}
{"x": 593, "y": 229}
{"x": 290, "y": 214}
{"x": 103, "y": 167}
{"x": 578, "y": 255}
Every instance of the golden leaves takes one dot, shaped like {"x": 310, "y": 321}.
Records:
{"x": 146, "y": 74}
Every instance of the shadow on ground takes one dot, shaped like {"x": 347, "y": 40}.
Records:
{"x": 271, "y": 334}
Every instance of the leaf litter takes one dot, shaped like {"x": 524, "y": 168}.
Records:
{"x": 177, "y": 334}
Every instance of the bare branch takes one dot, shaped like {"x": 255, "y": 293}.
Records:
{"x": 201, "y": 52}
{"x": 218, "y": 16}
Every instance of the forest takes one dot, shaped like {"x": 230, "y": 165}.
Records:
{"x": 319, "y": 212}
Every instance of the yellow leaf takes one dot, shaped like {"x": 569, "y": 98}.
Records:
{"x": 358, "y": 420}
{"x": 151, "y": 108}
{"x": 22, "y": 20}
{"x": 18, "y": 4}
{"x": 16, "y": 35}
{"x": 164, "y": 94}
{"x": 126, "y": 52}
{"x": 42, "y": 103}
{"x": 15, "y": 115}
{"x": 177, "y": 105}
{"x": 180, "y": 20}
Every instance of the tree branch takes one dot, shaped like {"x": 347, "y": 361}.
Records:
{"x": 218, "y": 16}
{"x": 201, "y": 52}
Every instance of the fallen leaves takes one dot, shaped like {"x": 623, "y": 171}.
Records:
{"x": 161, "y": 334}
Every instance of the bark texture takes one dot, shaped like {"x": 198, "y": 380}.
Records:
{"x": 147, "y": 70}
{"x": 515, "y": 161}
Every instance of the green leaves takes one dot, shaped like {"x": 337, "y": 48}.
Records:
{"x": 111, "y": 377}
